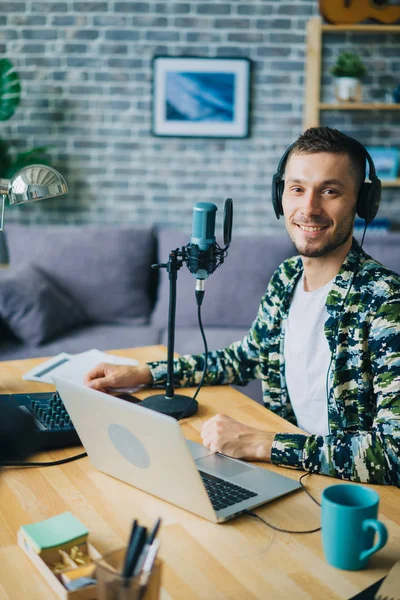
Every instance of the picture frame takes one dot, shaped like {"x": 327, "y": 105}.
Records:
{"x": 201, "y": 97}
{"x": 386, "y": 161}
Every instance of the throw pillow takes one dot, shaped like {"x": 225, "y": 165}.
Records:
{"x": 34, "y": 308}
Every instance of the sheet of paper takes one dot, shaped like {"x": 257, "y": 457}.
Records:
{"x": 44, "y": 371}
{"x": 74, "y": 367}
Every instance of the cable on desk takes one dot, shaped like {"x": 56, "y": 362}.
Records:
{"x": 52, "y": 463}
{"x": 256, "y": 516}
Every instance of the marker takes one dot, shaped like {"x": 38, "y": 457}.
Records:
{"x": 150, "y": 540}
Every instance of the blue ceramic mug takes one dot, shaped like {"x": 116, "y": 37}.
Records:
{"x": 349, "y": 524}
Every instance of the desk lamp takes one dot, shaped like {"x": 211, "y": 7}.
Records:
{"x": 34, "y": 182}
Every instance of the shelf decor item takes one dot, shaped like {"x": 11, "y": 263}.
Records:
{"x": 386, "y": 161}
{"x": 348, "y": 72}
{"x": 201, "y": 97}
{"x": 353, "y": 11}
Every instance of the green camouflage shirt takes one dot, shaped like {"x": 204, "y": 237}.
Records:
{"x": 363, "y": 333}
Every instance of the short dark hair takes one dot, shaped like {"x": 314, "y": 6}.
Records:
{"x": 325, "y": 139}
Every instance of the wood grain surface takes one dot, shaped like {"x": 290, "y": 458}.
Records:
{"x": 240, "y": 559}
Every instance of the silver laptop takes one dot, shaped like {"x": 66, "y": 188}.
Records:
{"x": 147, "y": 450}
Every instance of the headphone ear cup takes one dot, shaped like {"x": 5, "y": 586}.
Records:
{"x": 362, "y": 201}
{"x": 369, "y": 200}
{"x": 374, "y": 199}
{"x": 277, "y": 192}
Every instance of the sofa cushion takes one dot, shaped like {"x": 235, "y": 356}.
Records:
{"x": 34, "y": 308}
{"x": 107, "y": 270}
{"x": 385, "y": 249}
{"x": 233, "y": 292}
{"x": 100, "y": 336}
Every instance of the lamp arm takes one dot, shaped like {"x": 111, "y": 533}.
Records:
{"x": 3, "y": 205}
{"x": 4, "y": 186}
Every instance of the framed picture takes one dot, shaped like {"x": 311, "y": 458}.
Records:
{"x": 386, "y": 161}
{"x": 201, "y": 97}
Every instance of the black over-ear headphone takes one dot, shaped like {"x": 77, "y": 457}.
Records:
{"x": 369, "y": 196}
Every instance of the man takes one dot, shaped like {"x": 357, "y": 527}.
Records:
{"x": 326, "y": 339}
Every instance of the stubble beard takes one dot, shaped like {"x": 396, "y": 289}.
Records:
{"x": 337, "y": 239}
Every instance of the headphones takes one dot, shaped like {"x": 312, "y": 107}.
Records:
{"x": 369, "y": 196}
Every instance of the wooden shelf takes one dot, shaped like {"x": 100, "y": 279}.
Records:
{"x": 361, "y": 28}
{"x": 390, "y": 182}
{"x": 358, "y": 106}
{"x": 312, "y": 101}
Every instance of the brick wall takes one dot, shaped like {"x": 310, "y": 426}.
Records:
{"x": 86, "y": 74}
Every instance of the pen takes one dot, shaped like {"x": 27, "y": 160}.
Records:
{"x": 134, "y": 527}
{"x": 153, "y": 532}
{"x": 134, "y": 550}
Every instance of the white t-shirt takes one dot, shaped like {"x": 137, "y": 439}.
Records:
{"x": 307, "y": 358}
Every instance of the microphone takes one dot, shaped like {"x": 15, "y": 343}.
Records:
{"x": 203, "y": 255}
{"x": 201, "y": 251}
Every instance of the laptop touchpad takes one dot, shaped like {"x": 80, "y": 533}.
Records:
{"x": 222, "y": 465}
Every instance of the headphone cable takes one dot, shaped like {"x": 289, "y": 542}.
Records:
{"x": 364, "y": 232}
{"x": 254, "y": 515}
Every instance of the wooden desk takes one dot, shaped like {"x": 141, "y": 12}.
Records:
{"x": 240, "y": 559}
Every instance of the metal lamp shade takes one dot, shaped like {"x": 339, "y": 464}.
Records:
{"x": 36, "y": 182}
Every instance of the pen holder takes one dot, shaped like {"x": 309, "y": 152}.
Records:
{"x": 111, "y": 585}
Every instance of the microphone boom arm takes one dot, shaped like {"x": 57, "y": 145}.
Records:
{"x": 173, "y": 265}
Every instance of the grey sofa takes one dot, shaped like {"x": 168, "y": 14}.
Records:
{"x": 69, "y": 289}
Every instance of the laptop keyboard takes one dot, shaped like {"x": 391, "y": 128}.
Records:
{"x": 223, "y": 493}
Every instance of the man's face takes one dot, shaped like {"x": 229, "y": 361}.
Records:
{"x": 319, "y": 202}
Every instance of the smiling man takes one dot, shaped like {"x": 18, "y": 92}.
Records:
{"x": 326, "y": 340}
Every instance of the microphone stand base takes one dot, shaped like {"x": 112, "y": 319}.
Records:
{"x": 178, "y": 407}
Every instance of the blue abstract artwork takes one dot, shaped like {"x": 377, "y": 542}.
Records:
{"x": 200, "y": 97}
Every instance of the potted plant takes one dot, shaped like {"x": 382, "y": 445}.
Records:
{"x": 348, "y": 71}
{"x": 10, "y": 94}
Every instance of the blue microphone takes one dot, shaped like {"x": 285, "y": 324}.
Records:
{"x": 203, "y": 227}
{"x": 201, "y": 251}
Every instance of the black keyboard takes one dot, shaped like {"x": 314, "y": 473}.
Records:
{"x": 52, "y": 420}
{"x": 223, "y": 493}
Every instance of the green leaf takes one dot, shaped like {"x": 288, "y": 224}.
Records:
{"x": 10, "y": 89}
{"x": 349, "y": 64}
{"x": 5, "y": 159}
{"x": 29, "y": 157}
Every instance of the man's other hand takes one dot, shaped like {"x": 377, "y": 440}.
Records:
{"x": 106, "y": 376}
{"x": 227, "y": 436}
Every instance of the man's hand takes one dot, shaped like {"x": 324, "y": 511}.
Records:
{"x": 226, "y": 435}
{"x": 106, "y": 376}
